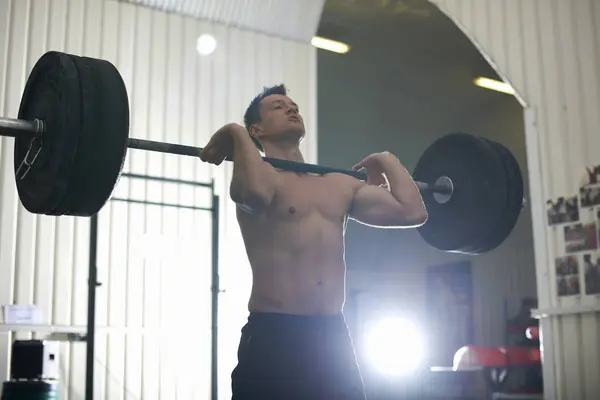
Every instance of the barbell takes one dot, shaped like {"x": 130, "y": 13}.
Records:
{"x": 72, "y": 135}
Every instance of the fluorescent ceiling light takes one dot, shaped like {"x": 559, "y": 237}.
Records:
{"x": 494, "y": 85}
{"x": 330, "y": 45}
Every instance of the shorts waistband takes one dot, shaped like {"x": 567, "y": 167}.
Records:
{"x": 294, "y": 320}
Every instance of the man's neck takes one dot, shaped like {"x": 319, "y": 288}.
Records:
{"x": 291, "y": 153}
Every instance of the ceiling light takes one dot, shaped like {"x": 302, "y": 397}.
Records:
{"x": 330, "y": 45}
{"x": 494, "y": 85}
{"x": 206, "y": 44}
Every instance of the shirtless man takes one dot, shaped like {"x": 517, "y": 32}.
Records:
{"x": 296, "y": 344}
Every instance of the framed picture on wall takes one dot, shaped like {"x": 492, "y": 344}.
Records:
{"x": 449, "y": 305}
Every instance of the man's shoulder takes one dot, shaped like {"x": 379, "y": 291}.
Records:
{"x": 345, "y": 180}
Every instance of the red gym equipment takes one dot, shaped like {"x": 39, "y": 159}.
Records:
{"x": 498, "y": 364}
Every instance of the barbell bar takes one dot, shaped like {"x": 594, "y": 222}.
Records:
{"x": 72, "y": 136}
{"x": 12, "y": 127}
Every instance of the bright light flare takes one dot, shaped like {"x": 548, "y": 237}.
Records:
{"x": 206, "y": 44}
{"x": 395, "y": 346}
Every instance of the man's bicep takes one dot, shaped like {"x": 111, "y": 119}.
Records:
{"x": 376, "y": 206}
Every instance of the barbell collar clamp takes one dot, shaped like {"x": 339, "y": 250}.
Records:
{"x": 12, "y": 127}
{"x": 443, "y": 189}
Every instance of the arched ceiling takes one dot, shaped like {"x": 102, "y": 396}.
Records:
{"x": 289, "y": 19}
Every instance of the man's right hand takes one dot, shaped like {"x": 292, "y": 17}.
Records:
{"x": 220, "y": 146}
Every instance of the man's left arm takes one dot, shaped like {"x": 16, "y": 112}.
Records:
{"x": 400, "y": 205}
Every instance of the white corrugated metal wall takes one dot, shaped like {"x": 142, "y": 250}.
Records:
{"x": 549, "y": 51}
{"x": 175, "y": 96}
{"x": 296, "y": 20}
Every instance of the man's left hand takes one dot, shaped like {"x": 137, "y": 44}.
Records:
{"x": 375, "y": 165}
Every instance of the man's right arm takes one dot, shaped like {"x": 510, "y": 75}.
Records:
{"x": 253, "y": 182}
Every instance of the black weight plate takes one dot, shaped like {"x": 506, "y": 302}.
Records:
{"x": 477, "y": 199}
{"x": 514, "y": 200}
{"x": 494, "y": 233}
{"x": 487, "y": 238}
{"x": 51, "y": 94}
{"x": 490, "y": 235}
{"x": 104, "y": 137}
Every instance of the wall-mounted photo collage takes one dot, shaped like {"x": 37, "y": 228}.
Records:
{"x": 580, "y": 217}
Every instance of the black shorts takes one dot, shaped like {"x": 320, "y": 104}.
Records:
{"x": 283, "y": 356}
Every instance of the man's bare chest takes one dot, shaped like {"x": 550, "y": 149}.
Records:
{"x": 301, "y": 196}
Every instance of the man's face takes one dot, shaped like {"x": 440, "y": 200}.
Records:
{"x": 280, "y": 118}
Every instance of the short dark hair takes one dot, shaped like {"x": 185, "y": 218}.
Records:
{"x": 252, "y": 115}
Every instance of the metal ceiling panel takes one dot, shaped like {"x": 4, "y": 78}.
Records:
{"x": 288, "y": 19}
